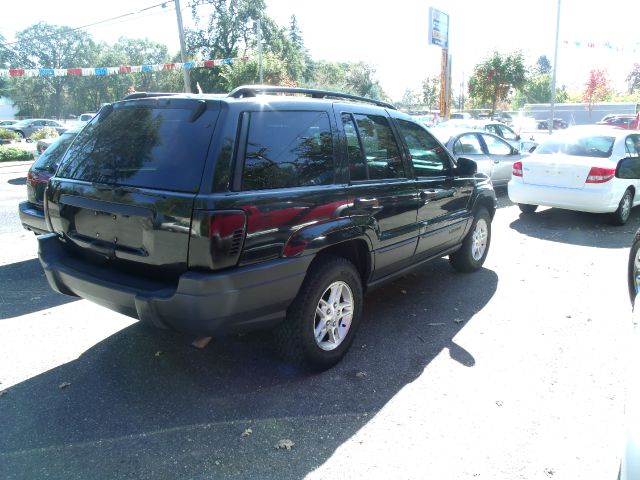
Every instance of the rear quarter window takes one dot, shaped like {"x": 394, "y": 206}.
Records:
{"x": 288, "y": 149}
{"x": 160, "y": 147}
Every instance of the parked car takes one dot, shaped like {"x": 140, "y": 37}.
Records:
{"x": 627, "y": 122}
{"x": 460, "y": 116}
{"x": 31, "y": 211}
{"x": 581, "y": 169}
{"x": 6, "y": 123}
{"x": 206, "y": 215}
{"x": 497, "y": 128}
{"x": 557, "y": 123}
{"x": 25, "y": 128}
{"x": 630, "y": 462}
{"x": 85, "y": 117}
{"x": 494, "y": 156}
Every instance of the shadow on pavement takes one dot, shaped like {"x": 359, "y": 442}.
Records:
{"x": 25, "y": 290}
{"x": 17, "y": 181}
{"x": 577, "y": 228}
{"x": 145, "y": 404}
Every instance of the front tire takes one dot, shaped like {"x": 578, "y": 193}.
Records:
{"x": 322, "y": 321}
{"x": 475, "y": 246}
{"x": 526, "y": 208}
{"x": 621, "y": 215}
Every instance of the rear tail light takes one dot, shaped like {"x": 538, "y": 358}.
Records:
{"x": 600, "y": 175}
{"x": 31, "y": 179}
{"x": 216, "y": 238}
{"x": 517, "y": 169}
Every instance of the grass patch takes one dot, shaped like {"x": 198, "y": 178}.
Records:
{"x": 11, "y": 154}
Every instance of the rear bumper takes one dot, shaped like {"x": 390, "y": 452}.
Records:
{"x": 242, "y": 299}
{"x": 593, "y": 200}
{"x": 32, "y": 218}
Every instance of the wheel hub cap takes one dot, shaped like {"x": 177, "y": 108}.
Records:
{"x": 479, "y": 239}
{"x": 333, "y": 316}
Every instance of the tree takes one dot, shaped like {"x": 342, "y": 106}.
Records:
{"x": 543, "y": 65}
{"x": 431, "y": 92}
{"x": 597, "y": 89}
{"x": 633, "y": 79}
{"x": 493, "y": 79}
{"x": 361, "y": 79}
{"x": 410, "y": 99}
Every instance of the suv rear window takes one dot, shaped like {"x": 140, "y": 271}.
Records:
{"x": 159, "y": 144}
{"x": 288, "y": 149}
{"x": 50, "y": 158}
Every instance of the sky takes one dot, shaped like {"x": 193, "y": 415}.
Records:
{"x": 392, "y": 36}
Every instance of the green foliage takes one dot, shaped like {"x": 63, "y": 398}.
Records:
{"x": 11, "y": 154}
{"x": 543, "y": 65}
{"x": 7, "y": 134}
{"x": 494, "y": 77}
{"x": 246, "y": 73}
{"x": 633, "y": 79}
{"x": 46, "y": 132}
{"x": 356, "y": 78}
{"x": 431, "y": 92}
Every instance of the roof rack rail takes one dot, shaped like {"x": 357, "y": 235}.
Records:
{"x": 253, "y": 90}
{"x": 133, "y": 96}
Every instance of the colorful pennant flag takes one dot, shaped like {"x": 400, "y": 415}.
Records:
{"x": 103, "y": 71}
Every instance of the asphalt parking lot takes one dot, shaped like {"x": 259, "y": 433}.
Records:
{"x": 514, "y": 372}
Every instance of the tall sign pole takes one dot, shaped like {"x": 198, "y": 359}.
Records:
{"x": 183, "y": 49}
{"x": 553, "y": 78}
{"x": 439, "y": 36}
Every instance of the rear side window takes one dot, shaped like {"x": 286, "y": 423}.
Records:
{"x": 161, "y": 146}
{"x": 288, "y": 149}
{"x": 51, "y": 157}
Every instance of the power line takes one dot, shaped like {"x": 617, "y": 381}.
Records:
{"x": 69, "y": 30}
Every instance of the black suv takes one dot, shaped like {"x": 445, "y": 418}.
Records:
{"x": 209, "y": 214}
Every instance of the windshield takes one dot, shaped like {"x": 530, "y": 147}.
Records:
{"x": 50, "y": 158}
{"x": 599, "y": 146}
{"x": 142, "y": 146}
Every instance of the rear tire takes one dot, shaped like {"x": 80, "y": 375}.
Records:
{"x": 322, "y": 321}
{"x": 475, "y": 246}
{"x": 621, "y": 215}
{"x": 526, "y": 208}
{"x": 21, "y": 135}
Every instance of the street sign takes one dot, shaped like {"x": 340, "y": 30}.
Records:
{"x": 438, "y": 28}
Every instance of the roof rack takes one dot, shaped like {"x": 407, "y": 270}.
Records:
{"x": 133, "y": 96}
{"x": 253, "y": 90}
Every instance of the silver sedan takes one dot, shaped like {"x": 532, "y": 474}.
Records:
{"x": 494, "y": 156}
{"x": 25, "y": 128}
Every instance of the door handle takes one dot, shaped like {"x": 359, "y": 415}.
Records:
{"x": 428, "y": 194}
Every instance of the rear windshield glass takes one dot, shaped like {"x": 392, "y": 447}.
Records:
{"x": 154, "y": 146}
{"x": 51, "y": 157}
{"x": 599, "y": 146}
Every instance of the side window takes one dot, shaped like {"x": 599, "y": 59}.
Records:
{"x": 632, "y": 144}
{"x": 492, "y": 129}
{"x": 507, "y": 133}
{"x": 39, "y": 123}
{"x": 288, "y": 149}
{"x": 495, "y": 146}
{"x": 357, "y": 163}
{"x": 380, "y": 148}
{"x": 429, "y": 158}
{"x": 468, "y": 145}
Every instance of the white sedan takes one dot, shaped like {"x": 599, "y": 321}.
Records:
{"x": 581, "y": 169}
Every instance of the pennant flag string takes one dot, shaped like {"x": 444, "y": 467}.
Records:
{"x": 631, "y": 47}
{"x": 103, "y": 71}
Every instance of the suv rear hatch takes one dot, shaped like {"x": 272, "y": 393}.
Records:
{"x": 124, "y": 192}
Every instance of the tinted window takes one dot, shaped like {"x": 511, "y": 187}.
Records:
{"x": 506, "y": 132}
{"x": 54, "y": 152}
{"x": 468, "y": 145}
{"x": 288, "y": 149}
{"x": 142, "y": 146}
{"x": 357, "y": 163}
{"x": 381, "y": 151}
{"x": 427, "y": 155}
{"x": 495, "y": 146}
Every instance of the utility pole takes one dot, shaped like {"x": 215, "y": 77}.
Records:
{"x": 260, "y": 51}
{"x": 553, "y": 78}
{"x": 183, "y": 48}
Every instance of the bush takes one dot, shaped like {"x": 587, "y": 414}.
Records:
{"x": 46, "y": 132}
{"x": 7, "y": 134}
{"x": 10, "y": 154}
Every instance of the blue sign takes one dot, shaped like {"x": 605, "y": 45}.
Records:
{"x": 438, "y": 28}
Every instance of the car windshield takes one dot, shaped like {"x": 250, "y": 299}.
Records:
{"x": 599, "y": 146}
{"x": 54, "y": 152}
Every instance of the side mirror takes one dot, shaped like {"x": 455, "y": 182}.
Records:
{"x": 628, "y": 168}
{"x": 466, "y": 167}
